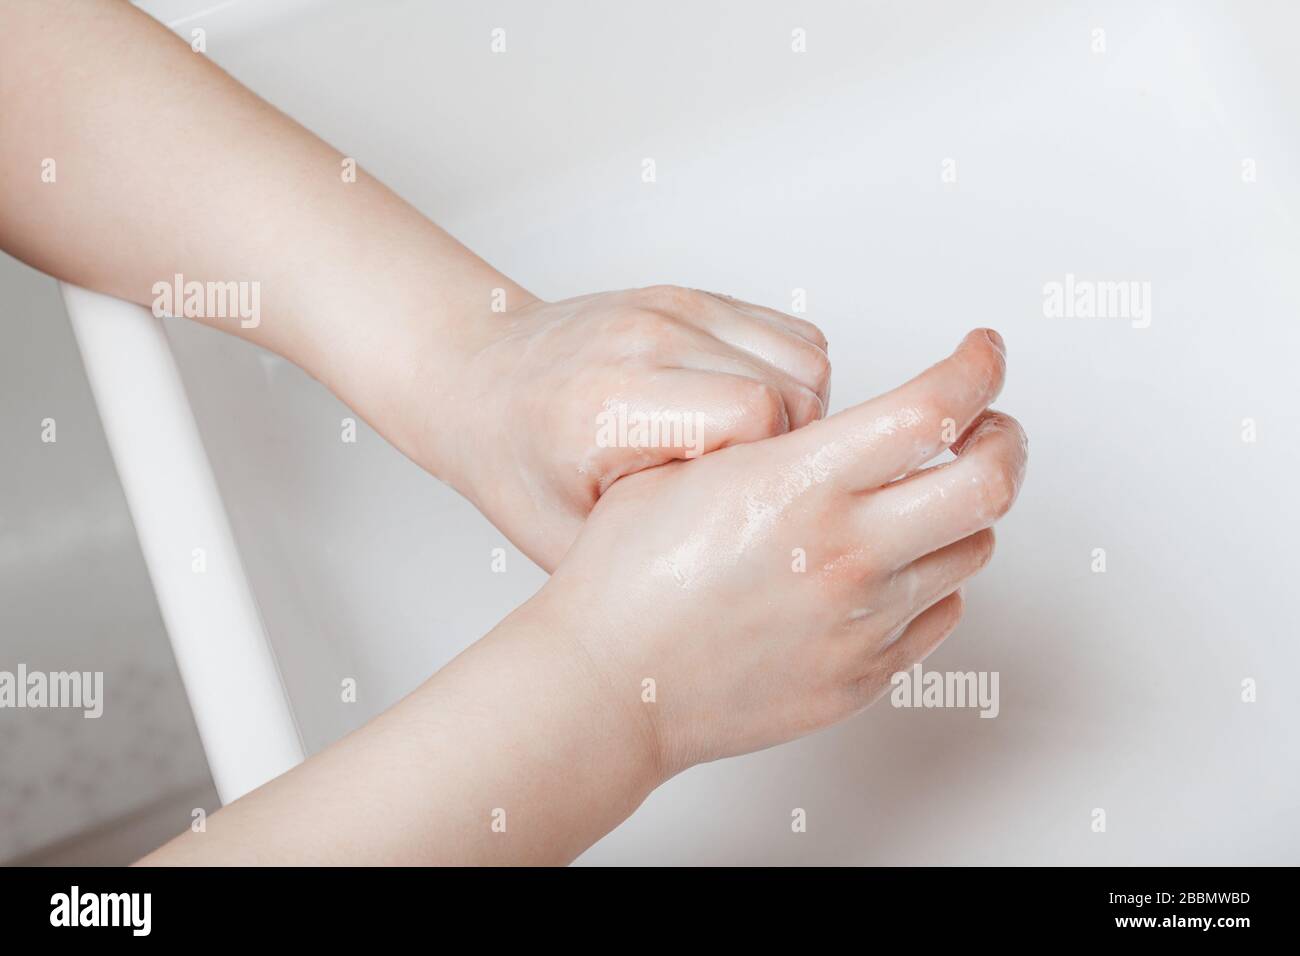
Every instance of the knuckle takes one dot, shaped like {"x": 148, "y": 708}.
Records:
{"x": 819, "y": 368}
{"x": 806, "y": 408}
{"x": 673, "y": 298}
{"x": 984, "y": 545}
{"x": 817, "y": 336}
{"x": 766, "y": 406}
{"x": 847, "y": 573}
{"x": 869, "y": 568}
{"x": 640, "y": 326}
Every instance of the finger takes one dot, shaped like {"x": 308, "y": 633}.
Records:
{"x": 683, "y": 413}
{"x": 929, "y": 578}
{"x": 917, "y": 641}
{"x": 760, "y": 337}
{"x": 922, "y": 635}
{"x": 875, "y": 442}
{"x": 800, "y": 327}
{"x": 704, "y": 352}
{"x": 940, "y": 505}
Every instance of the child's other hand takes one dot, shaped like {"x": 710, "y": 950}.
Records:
{"x": 564, "y": 398}
{"x": 773, "y": 588}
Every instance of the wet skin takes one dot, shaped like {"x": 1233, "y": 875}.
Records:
{"x": 684, "y": 575}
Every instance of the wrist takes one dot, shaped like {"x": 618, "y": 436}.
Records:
{"x": 608, "y": 704}
{"x": 394, "y": 336}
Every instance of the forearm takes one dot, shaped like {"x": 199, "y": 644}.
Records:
{"x": 514, "y": 753}
{"x": 165, "y": 165}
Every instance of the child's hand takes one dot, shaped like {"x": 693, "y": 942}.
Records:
{"x": 549, "y": 411}
{"x": 693, "y": 576}
{"x": 359, "y": 289}
{"x": 687, "y": 575}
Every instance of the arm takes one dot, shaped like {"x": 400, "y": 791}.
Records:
{"x": 165, "y": 165}
{"x": 547, "y": 721}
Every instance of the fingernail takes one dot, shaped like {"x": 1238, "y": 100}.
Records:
{"x": 996, "y": 339}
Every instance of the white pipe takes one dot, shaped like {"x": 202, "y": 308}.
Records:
{"x": 225, "y": 658}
